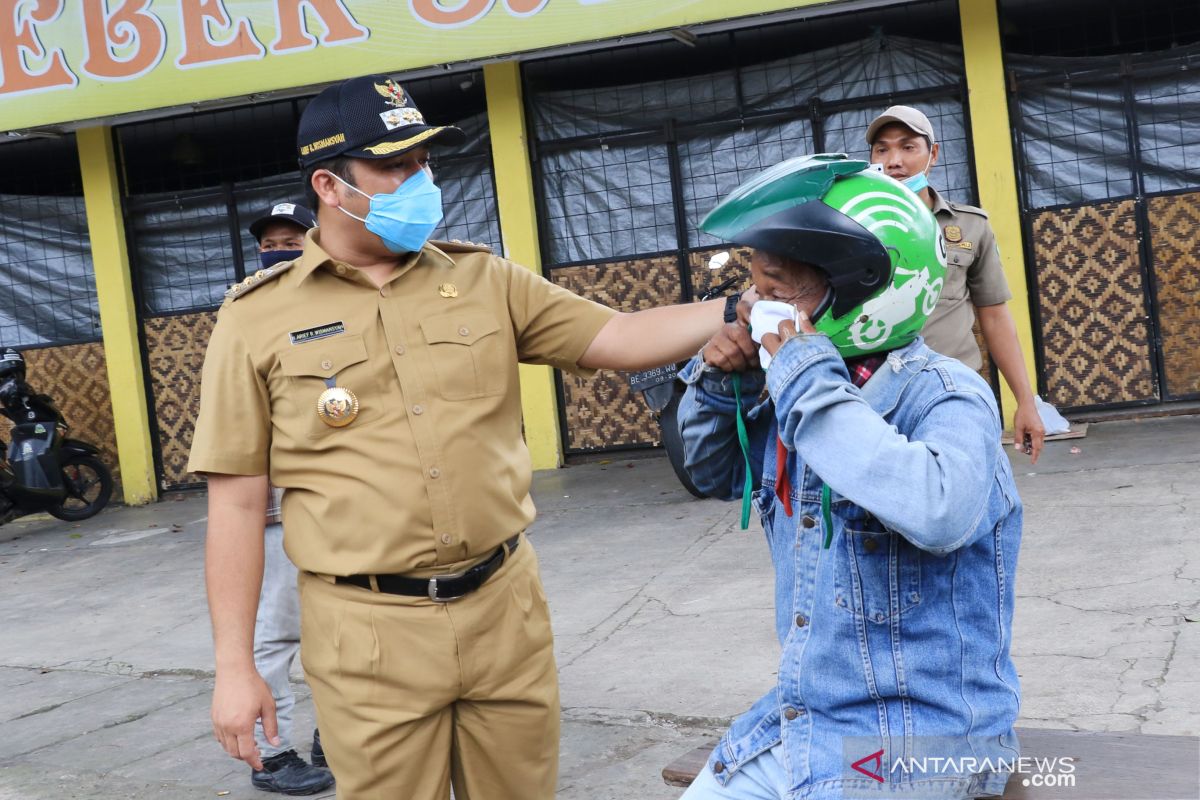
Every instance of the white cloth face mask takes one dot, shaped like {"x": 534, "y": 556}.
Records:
{"x": 766, "y": 317}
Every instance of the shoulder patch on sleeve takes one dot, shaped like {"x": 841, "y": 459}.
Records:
{"x": 968, "y": 209}
{"x": 252, "y": 282}
{"x": 459, "y": 246}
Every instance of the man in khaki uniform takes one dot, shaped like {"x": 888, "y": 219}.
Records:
{"x": 903, "y": 143}
{"x": 375, "y": 380}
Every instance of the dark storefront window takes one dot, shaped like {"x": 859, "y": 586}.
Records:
{"x": 631, "y": 169}
{"x": 1105, "y": 103}
{"x": 47, "y": 287}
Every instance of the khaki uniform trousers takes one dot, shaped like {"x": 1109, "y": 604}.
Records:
{"x": 413, "y": 696}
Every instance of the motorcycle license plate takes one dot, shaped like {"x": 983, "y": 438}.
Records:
{"x": 647, "y": 379}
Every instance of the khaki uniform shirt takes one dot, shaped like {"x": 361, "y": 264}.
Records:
{"x": 434, "y": 471}
{"x": 974, "y": 277}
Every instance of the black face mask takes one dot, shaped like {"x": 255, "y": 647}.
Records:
{"x": 272, "y": 257}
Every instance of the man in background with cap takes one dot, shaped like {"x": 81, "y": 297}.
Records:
{"x": 279, "y": 233}
{"x": 903, "y": 144}
{"x": 375, "y": 379}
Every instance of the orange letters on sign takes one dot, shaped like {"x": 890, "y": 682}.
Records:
{"x": 198, "y": 45}
{"x": 524, "y": 8}
{"x": 131, "y": 24}
{"x": 432, "y": 13}
{"x": 293, "y": 32}
{"x": 19, "y": 42}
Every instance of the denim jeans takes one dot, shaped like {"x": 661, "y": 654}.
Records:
{"x": 277, "y": 636}
{"x": 761, "y": 778}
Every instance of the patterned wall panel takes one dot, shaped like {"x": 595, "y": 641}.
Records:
{"x": 76, "y": 377}
{"x": 1175, "y": 240}
{"x": 175, "y": 349}
{"x": 703, "y": 277}
{"x": 602, "y": 412}
{"x": 1090, "y": 292}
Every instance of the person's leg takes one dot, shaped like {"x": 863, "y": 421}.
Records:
{"x": 506, "y": 725}
{"x": 762, "y": 778}
{"x": 277, "y": 636}
{"x": 384, "y": 674}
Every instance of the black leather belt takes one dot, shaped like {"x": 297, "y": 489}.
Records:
{"x": 439, "y": 588}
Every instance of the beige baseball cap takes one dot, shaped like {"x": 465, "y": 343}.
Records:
{"x": 905, "y": 115}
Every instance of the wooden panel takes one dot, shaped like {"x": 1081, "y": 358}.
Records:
{"x": 76, "y": 378}
{"x": 602, "y": 412}
{"x": 1175, "y": 239}
{"x": 1091, "y": 297}
{"x": 175, "y": 350}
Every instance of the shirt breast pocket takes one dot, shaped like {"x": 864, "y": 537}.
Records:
{"x": 467, "y": 350}
{"x": 308, "y": 367}
{"x": 958, "y": 262}
{"x": 878, "y": 572}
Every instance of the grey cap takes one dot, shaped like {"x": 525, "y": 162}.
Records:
{"x": 905, "y": 115}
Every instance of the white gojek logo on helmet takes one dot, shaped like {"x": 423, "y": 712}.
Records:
{"x": 894, "y": 306}
{"x": 877, "y": 211}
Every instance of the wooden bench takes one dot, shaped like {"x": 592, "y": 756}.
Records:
{"x": 1108, "y": 766}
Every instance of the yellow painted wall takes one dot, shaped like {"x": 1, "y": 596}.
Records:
{"x": 518, "y": 225}
{"x": 995, "y": 167}
{"x": 118, "y": 314}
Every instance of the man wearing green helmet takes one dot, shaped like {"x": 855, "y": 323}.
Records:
{"x": 887, "y": 501}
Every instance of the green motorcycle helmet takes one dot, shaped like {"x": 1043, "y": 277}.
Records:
{"x": 877, "y": 242}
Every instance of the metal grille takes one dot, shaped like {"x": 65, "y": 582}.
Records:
{"x": 47, "y": 286}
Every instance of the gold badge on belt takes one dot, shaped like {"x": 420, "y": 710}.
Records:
{"x": 953, "y": 233}
{"x": 337, "y": 406}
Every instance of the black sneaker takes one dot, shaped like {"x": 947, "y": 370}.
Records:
{"x": 287, "y": 773}
{"x": 318, "y": 752}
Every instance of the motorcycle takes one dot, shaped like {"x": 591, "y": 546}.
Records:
{"x": 662, "y": 390}
{"x": 45, "y": 470}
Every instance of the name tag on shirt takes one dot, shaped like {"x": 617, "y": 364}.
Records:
{"x": 319, "y": 332}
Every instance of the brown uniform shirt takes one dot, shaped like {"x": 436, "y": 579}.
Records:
{"x": 974, "y": 277}
{"x": 434, "y": 470}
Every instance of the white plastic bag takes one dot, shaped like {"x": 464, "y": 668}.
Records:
{"x": 1053, "y": 421}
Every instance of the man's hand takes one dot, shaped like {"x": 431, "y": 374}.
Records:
{"x": 1028, "y": 423}
{"x": 238, "y": 701}
{"x": 732, "y": 349}
{"x": 774, "y": 341}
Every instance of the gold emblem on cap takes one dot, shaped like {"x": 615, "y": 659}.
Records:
{"x": 953, "y": 233}
{"x": 337, "y": 407}
{"x": 448, "y": 290}
{"x": 392, "y": 93}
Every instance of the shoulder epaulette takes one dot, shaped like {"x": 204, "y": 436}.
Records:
{"x": 459, "y": 246}
{"x": 252, "y": 282}
{"x": 967, "y": 208}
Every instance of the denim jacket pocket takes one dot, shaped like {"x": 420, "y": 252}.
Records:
{"x": 878, "y": 573}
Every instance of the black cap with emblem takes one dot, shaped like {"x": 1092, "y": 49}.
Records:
{"x": 367, "y": 117}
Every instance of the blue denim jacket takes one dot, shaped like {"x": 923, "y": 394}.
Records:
{"x": 895, "y": 639}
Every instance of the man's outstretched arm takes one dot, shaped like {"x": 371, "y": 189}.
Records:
{"x": 656, "y": 336}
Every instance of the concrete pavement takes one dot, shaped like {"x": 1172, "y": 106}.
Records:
{"x": 662, "y": 614}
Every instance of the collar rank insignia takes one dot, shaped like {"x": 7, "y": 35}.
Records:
{"x": 392, "y": 93}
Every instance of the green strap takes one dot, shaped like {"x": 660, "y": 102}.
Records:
{"x": 744, "y": 441}
{"x": 826, "y": 514}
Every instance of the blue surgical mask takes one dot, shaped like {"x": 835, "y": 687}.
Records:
{"x": 921, "y": 180}
{"x": 917, "y": 182}
{"x": 270, "y": 258}
{"x": 405, "y": 218}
